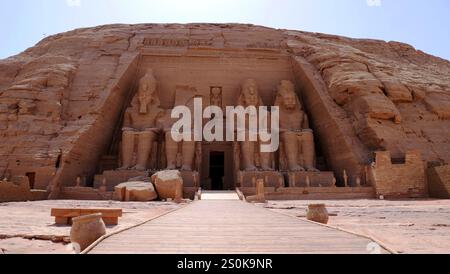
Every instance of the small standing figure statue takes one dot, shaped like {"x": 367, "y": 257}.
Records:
{"x": 308, "y": 181}
{"x": 216, "y": 97}
{"x": 103, "y": 187}
{"x": 345, "y": 178}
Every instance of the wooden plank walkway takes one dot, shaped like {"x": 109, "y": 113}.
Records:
{"x": 231, "y": 227}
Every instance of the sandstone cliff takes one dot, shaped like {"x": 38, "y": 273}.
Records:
{"x": 61, "y": 100}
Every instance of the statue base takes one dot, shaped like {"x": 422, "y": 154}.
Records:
{"x": 271, "y": 178}
{"x": 113, "y": 178}
{"x": 191, "y": 183}
{"x": 116, "y": 177}
{"x": 316, "y": 179}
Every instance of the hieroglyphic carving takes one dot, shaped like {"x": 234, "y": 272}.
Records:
{"x": 158, "y": 42}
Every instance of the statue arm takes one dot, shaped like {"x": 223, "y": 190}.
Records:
{"x": 305, "y": 122}
{"x": 127, "y": 122}
{"x": 163, "y": 121}
{"x": 159, "y": 122}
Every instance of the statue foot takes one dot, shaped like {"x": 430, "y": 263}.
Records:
{"x": 124, "y": 168}
{"x": 298, "y": 169}
{"x": 267, "y": 169}
{"x": 186, "y": 168}
{"x": 312, "y": 169}
{"x": 139, "y": 168}
{"x": 251, "y": 168}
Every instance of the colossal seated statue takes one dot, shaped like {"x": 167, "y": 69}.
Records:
{"x": 183, "y": 151}
{"x": 250, "y": 149}
{"x": 140, "y": 124}
{"x": 296, "y": 137}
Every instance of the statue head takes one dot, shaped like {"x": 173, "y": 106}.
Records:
{"x": 287, "y": 98}
{"x": 216, "y": 91}
{"x": 147, "y": 91}
{"x": 250, "y": 94}
{"x": 216, "y": 96}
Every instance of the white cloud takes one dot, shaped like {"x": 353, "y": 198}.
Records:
{"x": 73, "y": 3}
{"x": 373, "y": 3}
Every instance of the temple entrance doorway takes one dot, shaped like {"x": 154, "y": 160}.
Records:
{"x": 217, "y": 169}
{"x": 217, "y": 166}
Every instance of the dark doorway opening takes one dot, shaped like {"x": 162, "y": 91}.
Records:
{"x": 31, "y": 178}
{"x": 217, "y": 170}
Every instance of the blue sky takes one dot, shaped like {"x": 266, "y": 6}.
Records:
{"x": 423, "y": 24}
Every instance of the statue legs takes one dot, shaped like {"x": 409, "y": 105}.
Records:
{"x": 171, "y": 151}
{"x": 248, "y": 156}
{"x": 127, "y": 149}
{"x": 145, "y": 145}
{"x": 266, "y": 159}
{"x": 291, "y": 149}
{"x": 308, "y": 150}
{"x": 188, "y": 153}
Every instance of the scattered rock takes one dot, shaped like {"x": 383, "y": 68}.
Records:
{"x": 317, "y": 213}
{"x": 86, "y": 230}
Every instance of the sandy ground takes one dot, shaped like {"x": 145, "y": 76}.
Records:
{"x": 410, "y": 226}
{"x": 24, "y": 225}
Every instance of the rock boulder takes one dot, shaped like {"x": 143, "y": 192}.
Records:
{"x": 135, "y": 192}
{"x": 169, "y": 184}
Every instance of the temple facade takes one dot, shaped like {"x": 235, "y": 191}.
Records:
{"x": 87, "y": 110}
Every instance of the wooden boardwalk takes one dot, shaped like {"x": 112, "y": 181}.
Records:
{"x": 230, "y": 227}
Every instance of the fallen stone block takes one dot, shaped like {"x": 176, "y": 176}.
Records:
{"x": 135, "y": 192}
{"x": 169, "y": 184}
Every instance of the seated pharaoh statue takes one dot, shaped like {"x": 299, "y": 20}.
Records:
{"x": 249, "y": 150}
{"x": 296, "y": 136}
{"x": 179, "y": 154}
{"x": 140, "y": 125}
